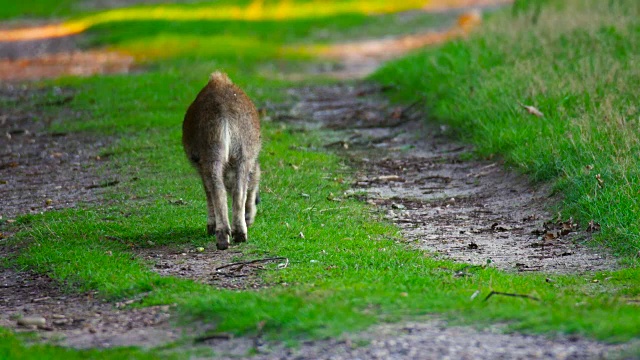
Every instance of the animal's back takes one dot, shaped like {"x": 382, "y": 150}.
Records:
{"x": 221, "y": 122}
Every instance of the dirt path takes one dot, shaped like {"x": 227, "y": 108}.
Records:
{"x": 429, "y": 340}
{"x": 415, "y": 174}
{"x": 468, "y": 211}
{"x": 42, "y": 170}
{"x": 471, "y": 211}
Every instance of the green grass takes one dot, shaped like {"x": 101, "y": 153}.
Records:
{"x": 578, "y": 65}
{"x": 349, "y": 271}
{"x": 35, "y": 8}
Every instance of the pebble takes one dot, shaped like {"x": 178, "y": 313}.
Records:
{"x": 32, "y": 320}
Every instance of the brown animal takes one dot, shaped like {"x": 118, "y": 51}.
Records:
{"x": 221, "y": 136}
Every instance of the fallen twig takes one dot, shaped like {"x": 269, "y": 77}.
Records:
{"x": 103, "y": 185}
{"x": 512, "y": 295}
{"x": 412, "y": 105}
{"x": 57, "y": 102}
{"x": 216, "y": 336}
{"x": 243, "y": 263}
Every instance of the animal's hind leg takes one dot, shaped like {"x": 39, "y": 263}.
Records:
{"x": 218, "y": 222}
{"x": 240, "y": 185}
{"x": 211, "y": 214}
{"x": 252, "y": 194}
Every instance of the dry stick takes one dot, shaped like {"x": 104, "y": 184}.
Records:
{"x": 512, "y": 295}
{"x": 216, "y": 336}
{"x": 419, "y": 101}
{"x": 242, "y": 263}
{"x": 107, "y": 184}
{"x": 258, "y": 337}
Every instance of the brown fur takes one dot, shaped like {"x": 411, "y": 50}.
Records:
{"x": 221, "y": 137}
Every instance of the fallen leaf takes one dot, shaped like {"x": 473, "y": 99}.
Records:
{"x": 593, "y": 226}
{"x": 532, "y": 110}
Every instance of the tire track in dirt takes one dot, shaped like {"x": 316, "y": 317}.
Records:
{"x": 470, "y": 211}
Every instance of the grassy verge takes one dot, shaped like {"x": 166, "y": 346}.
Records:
{"x": 349, "y": 271}
{"x": 577, "y": 63}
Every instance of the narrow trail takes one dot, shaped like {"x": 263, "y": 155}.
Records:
{"x": 464, "y": 210}
{"x": 475, "y": 212}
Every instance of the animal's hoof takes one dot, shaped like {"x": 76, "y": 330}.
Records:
{"x": 222, "y": 239}
{"x": 239, "y": 237}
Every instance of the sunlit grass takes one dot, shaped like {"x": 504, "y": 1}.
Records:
{"x": 171, "y": 46}
{"x": 255, "y": 11}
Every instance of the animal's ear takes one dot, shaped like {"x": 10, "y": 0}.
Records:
{"x": 219, "y": 77}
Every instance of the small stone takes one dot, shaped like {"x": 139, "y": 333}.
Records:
{"x": 398, "y": 206}
{"x": 32, "y": 320}
{"x": 58, "y": 316}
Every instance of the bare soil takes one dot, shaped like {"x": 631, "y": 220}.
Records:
{"x": 204, "y": 266}
{"x": 475, "y": 212}
{"x": 427, "y": 339}
{"x": 79, "y": 320}
{"x": 42, "y": 170}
